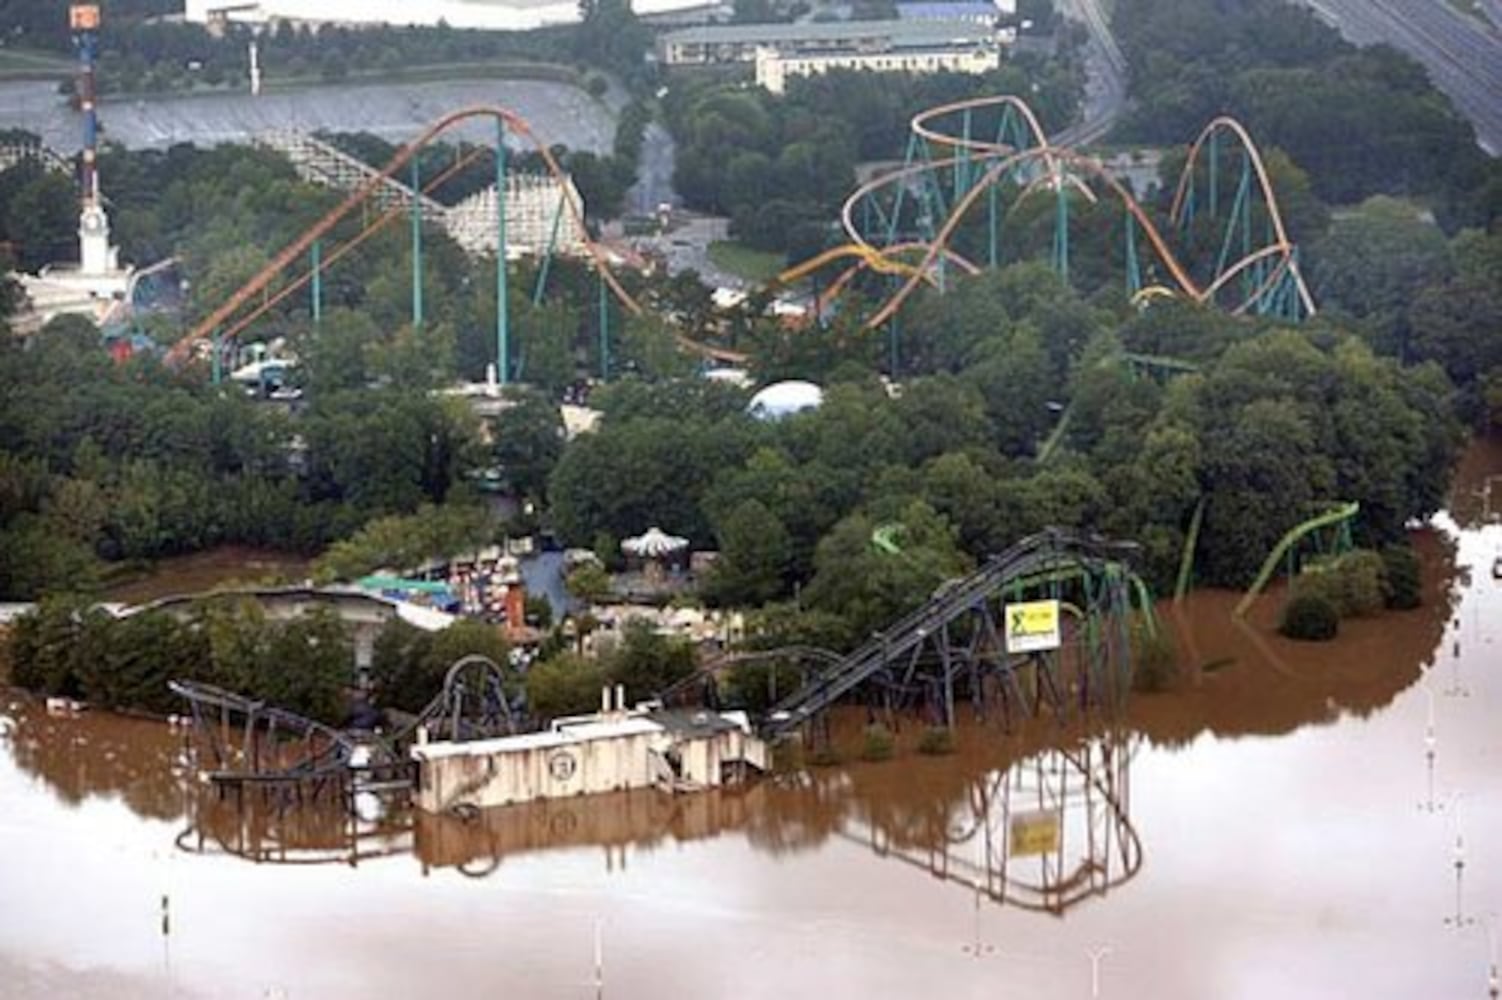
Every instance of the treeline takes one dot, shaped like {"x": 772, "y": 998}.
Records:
{"x": 1360, "y": 121}
{"x": 70, "y": 650}
{"x": 780, "y": 166}
{"x": 67, "y": 648}
{"x": 1275, "y": 422}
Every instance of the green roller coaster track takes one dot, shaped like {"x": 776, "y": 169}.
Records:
{"x": 1340, "y": 514}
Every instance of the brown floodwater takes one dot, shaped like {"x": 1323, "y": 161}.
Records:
{"x": 1272, "y": 829}
{"x": 200, "y": 571}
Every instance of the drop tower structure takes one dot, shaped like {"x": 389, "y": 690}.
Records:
{"x": 95, "y": 255}
{"x": 97, "y": 286}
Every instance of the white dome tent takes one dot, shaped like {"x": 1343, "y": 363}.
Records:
{"x": 782, "y": 399}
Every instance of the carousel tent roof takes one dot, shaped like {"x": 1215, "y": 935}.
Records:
{"x": 654, "y": 543}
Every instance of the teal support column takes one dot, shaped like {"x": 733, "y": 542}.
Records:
{"x": 1214, "y": 145}
{"x": 547, "y": 258}
{"x": 216, "y": 360}
{"x": 502, "y": 330}
{"x": 317, "y": 252}
{"x": 1133, "y": 268}
{"x": 894, "y": 344}
{"x": 992, "y": 220}
{"x": 604, "y": 333}
{"x": 416, "y": 246}
{"x": 1061, "y": 232}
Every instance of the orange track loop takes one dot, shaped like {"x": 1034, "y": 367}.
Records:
{"x": 1053, "y": 160}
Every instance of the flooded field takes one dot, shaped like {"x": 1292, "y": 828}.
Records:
{"x": 559, "y": 112}
{"x": 201, "y": 571}
{"x": 1275, "y": 829}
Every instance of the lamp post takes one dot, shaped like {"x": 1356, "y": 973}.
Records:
{"x": 1459, "y": 920}
{"x": 1096, "y": 956}
{"x": 978, "y": 948}
{"x": 1430, "y": 741}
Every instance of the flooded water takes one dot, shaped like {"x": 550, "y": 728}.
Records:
{"x": 201, "y": 571}
{"x": 1274, "y": 829}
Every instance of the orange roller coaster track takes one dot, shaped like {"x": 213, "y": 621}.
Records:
{"x": 1024, "y": 158}
{"x": 221, "y": 317}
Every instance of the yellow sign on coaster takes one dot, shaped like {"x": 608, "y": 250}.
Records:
{"x": 1035, "y": 833}
{"x": 1032, "y": 626}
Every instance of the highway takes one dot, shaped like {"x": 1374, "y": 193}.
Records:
{"x": 1106, "y": 75}
{"x": 1463, "y": 55}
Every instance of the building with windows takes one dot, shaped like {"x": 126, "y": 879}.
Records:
{"x": 926, "y": 45}
{"x": 774, "y": 69}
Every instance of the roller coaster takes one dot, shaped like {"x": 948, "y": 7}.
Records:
{"x": 241, "y": 743}
{"x": 919, "y": 225}
{"x": 953, "y": 643}
{"x": 267, "y": 289}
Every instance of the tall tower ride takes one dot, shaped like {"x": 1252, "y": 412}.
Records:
{"x": 95, "y": 255}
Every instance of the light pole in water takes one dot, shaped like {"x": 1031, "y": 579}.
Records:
{"x": 978, "y": 948}
{"x": 1096, "y": 955}
{"x": 1430, "y": 741}
{"x": 1459, "y": 919}
{"x": 1493, "y": 979}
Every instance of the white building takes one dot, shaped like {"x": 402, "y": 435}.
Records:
{"x": 614, "y": 750}
{"x": 481, "y": 15}
{"x": 774, "y": 69}
{"x": 720, "y": 44}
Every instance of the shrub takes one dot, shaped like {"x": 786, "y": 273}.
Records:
{"x": 936, "y": 740}
{"x": 1355, "y": 584}
{"x": 1155, "y": 660}
{"x": 825, "y": 756}
{"x": 878, "y": 744}
{"x": 1404, "y": 586}
{"x": 1310, "y": 617}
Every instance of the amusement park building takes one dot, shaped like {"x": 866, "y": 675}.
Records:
{"x": 481, "y": 15}
{"x": 773, "y": 68}
{"x": 881, "y": 45}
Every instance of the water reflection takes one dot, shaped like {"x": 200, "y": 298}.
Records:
{"x": 1045, "y": 834}
{"x": 101, "y": 754}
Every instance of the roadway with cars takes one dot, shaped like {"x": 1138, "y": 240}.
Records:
{"x": 1462, "y": 53}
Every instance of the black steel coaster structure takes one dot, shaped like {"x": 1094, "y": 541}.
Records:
{"x": 241, "y": 743}
{"x": 953, "y": 645}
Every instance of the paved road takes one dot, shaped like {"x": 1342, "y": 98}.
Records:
{"x": 654, "y": 173}
{"x": 560, "y": 113}
{"x": 1463, "y": 55}
{"x": 1105, "y": 79}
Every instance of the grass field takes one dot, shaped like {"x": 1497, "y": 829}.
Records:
{"x": 744, "y": 262}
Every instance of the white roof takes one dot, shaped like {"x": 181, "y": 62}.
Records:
{"x": 782, "y": 398}
{"x": 568, "y": 732}
{"x": 654, "y": 542}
